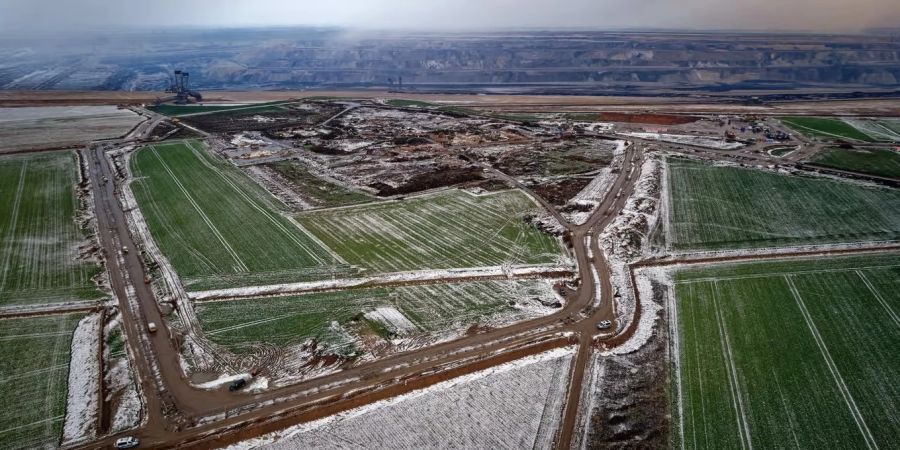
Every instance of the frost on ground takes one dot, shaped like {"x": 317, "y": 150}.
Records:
{"x": 701, "y": 141}
{"x": 509, "y": 272}
{"x": 122, "y": 396}
{"x": 130, "y": 406}
{"x": 84, "y": 382}
{"x": 511, "y": 406}
{"x": 626, "y": 239}
{"x": 391, "y": 318}
{"x": 580, "y": 207}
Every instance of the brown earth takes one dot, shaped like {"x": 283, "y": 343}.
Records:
{"x": 648, "y": 118}
{"x": 559, "y": 192}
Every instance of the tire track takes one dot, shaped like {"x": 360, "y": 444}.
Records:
{"x": 832, "y": 367}
{"x": 240, "y": 264}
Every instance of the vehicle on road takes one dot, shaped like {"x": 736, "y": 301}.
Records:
{"x": 127, "y": 442}
{"x": 124, "y": 250}
{"x": 151, "y": 326}
{"x": 604, "y": 325}
{"x": 237, "y": 385}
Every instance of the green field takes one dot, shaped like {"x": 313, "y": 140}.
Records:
{"x": 445, "y": 230}
{"x": 315, "y": 190}
{"x": 39, "y": 235}
{"x": 882, "y": 130}
{"x": 820, "y": 127}
{"x": 216, "y": 226}
{"x": 181, "y": 110}
{"x": 336, "y": 319}
{"x": 796, "y": 354}
{"x": 714, "y": 207}
{"x": 34, "y": 371}
{"x": 881, "y": 162}
{"x": 403, "y": 103}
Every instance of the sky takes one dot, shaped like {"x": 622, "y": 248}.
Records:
{"x": 44, "y": 16}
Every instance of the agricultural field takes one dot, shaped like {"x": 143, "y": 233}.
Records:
{"x": 56, "y": 126}
{"x": 217, "y": 227}
{"x": 404, "y": 103}
{"x": 182, "y": 110}
{"x": 437, "y": 231}
{"x": 315, "y": 190}
{"x": 512, "y": 406}
{"x": 34, "y": 370}
{"x": 789, "y": 354}
{"x": 829, "y": 129}
{"x": 332, "y": 318}
{"x": 715, "y": 207}
{"x": 881, "y": 162}
{"x": 39, "y": 235}
{"x": 882, "y": 130}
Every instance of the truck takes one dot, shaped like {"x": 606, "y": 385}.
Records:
{"x": 151, "y": 327}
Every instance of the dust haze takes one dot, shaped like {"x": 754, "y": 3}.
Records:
{"x": 49, "y": 16}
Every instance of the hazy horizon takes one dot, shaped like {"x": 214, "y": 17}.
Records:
{"x": 38, "y": 17}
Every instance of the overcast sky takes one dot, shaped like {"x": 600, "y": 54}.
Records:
{"x": 800, "y": 15}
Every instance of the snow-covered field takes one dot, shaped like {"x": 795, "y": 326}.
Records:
{"x": 512, "y": 406}
{"x": 62, "y": 125}
{"x": 702, "y": 141}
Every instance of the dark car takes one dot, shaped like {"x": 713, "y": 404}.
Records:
{"x": 237, "y": 384}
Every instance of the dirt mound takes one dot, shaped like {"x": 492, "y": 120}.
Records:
{"x": 653, "y": 119}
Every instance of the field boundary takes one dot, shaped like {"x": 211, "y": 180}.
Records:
{"x": 438, "y": 276}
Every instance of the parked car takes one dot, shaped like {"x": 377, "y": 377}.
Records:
{"x": 237, "y": 384}
{"x": 604, "y": 324}
{"x": 127, "y": 442}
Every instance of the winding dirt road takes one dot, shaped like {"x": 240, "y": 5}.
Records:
{"x": 181, "y": 416}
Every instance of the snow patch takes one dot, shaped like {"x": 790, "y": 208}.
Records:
{"x": 391, "y": 318}
{"x": 700, "y": 141}
{"x": 223, "y": 380}
{"x": 513, "y": 405}
{"x": 83, "y": 402}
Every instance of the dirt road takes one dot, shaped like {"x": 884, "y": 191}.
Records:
{"x": 183, "y": 416}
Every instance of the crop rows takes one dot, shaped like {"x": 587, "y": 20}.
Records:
{"x": 217, "y": 227}
{"x": 39, "y": 236}
{"x": 727, "y": 207}
{"x": 434, "y": 308}
{"x": 447, "y": 230}
{"x": 826, "y": 128}
{"x": 881, "y": 162}
{"x": 790, "y": 355}
{"x": 34, "y": 370}
{"x": 513, "y": 406}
